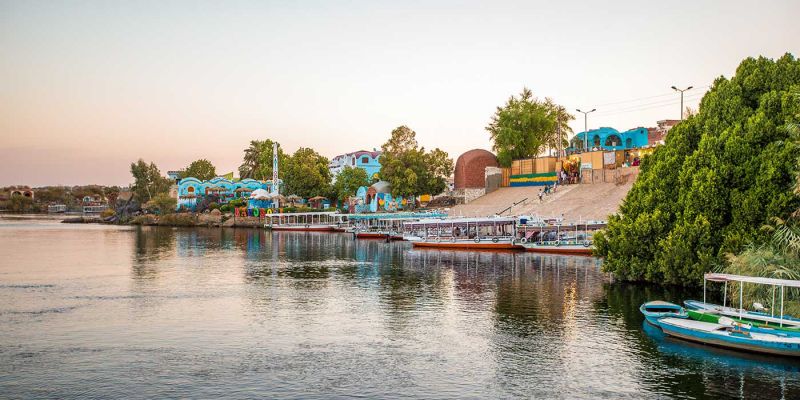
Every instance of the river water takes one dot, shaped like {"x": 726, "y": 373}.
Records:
{"x": 91, "y": 311}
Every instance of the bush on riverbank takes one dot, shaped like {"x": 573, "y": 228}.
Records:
{"x": 182, "y": 219}
{"x": 722, "y": 174}
{"x": 146, "y": 220}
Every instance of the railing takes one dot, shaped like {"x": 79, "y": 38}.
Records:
{"x": 513, "y": 205}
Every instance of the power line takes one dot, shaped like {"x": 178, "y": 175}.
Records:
{"x": 645, "y": 98}
{"x": 657, "y": 104}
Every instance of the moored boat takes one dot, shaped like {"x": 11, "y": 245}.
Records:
{"x": 492, "y": 233}
{"x": 731, "y": 335}
{"x": 308, "y": 222}
{"x": 653, "y": 310}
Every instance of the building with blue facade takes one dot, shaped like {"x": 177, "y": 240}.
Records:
{"x": 606, "y": 138}
{"x": 192, "y": 191}
{"x": 366, "y": 160}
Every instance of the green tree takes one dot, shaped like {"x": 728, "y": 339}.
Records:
{"x": 257, "y": 160}
{"x": 20, "y": 204}
{"x": 148, "y": 181}
{"x": 307, "y": 174}
{"x": 348, "y": 181}
{"x": 723, "y": 173}
{"x": 525, "y": 126}
{"x": 201, "y": 169}
{"x": 409, "y": 169}
{"x": 162, "y": 203}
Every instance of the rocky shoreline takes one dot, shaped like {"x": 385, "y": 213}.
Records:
{"x": 214, "y": 219}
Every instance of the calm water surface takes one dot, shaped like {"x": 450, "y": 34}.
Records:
{"x": 89, "y": 311}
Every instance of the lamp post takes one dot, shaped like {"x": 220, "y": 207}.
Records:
{"x": 679, "y": 90}
{"x": 585, "y": 127}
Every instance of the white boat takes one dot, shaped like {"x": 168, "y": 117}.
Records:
{"x": 491, "y": 233}
{"x": 309, "y": 222}
{"x": 770, "y": 318}
{"x": 730, "y": 334}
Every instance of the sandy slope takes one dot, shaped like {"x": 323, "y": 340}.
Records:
{"x": 575, "y": 202}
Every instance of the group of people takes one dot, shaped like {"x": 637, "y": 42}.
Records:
{"x": 568, "y": 178}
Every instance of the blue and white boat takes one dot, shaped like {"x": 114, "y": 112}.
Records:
{"x": 760, "y": 317}
{"x": 653, "y": 310}
{"x": 710, "y": 327}
{"x": 730, "y": 334}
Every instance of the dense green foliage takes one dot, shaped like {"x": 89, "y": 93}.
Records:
{"x": 257, "y": 161}
{"x": 525, "y": 126}
{"x": 306, "y": 174}
{"x": 162, "y": 203}
{"x": 410, "y": 169}
{"x": 201, "y": 169}
{"x": 348, "y": 181}
{"x": 722, "y": 174}
{"x": 147, "y": 181}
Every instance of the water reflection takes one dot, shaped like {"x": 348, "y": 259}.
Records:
{"x": 290, "y": 314}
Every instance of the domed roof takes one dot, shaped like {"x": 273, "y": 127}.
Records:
{"x": 382, "y": 187}
{"x": 260, "y": 194}
{"x": 471, "y": 168}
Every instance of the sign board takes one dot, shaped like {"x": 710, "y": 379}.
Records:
{"x": 609, "y": 158}
{"x": 586, "y": 165}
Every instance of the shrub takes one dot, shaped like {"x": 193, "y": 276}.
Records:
{"x": 722, "y": 174}
{"x": 213, "y": 206}
{"x": 177, "y": 220}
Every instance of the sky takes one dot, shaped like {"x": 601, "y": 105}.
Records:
{"x": 87, "y": 87}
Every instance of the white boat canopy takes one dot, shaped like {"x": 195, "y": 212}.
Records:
{"x": 725, "y": 278}
{"x": 751, "y": 279}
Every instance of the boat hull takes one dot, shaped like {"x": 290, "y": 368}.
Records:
{"x": 788, "y": 347}
{"x": 370, "y": 235}
{"x": 567, "y": 249}
{"x": 302, "y": 228}
{"x": 467, "y": 245}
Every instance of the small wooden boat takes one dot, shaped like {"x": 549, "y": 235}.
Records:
{"x": 771, "y": 319}
{"x": 731, "y": 335}
{"x": 757, "y": 326}
{"x": 653, "y": 310}
{"x": 744, "y": 315}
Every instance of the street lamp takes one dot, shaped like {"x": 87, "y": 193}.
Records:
{"x": 679, "y": 90}
{"x": 585, "y": 127}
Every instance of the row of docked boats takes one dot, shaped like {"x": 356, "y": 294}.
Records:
{"x": 760, "y": 330}
{"x": 436, "y": 230}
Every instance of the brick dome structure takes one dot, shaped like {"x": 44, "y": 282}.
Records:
{"x": 471, "y": 167}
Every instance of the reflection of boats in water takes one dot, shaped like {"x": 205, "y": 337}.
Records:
{"x": 727, "y": 359}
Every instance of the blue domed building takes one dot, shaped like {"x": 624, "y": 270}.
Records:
{"x": 606, "y": 138}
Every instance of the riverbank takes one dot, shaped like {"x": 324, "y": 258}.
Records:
{"x": 214, "y": 219}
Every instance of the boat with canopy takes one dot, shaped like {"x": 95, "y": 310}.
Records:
{"x": 310, "y": 221}
{"x": 758, "y": 316}
{"x": 386, "y": 226}
{"x": 540, "y": 236}
{"x": 728, "y": 327}
{"x": 491, "y": 233}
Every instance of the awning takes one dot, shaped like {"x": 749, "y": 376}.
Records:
{"x": 751, "y": 279}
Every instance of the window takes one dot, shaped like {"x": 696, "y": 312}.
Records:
{"x": 628, "y": 143}
{"x": 365, "y": 160}
{"x": 353, "y": 161}
{"x": 190, "y": 189}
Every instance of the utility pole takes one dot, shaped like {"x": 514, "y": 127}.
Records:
{"x": 586, "y": 127}
{"x": 679, "y": 90}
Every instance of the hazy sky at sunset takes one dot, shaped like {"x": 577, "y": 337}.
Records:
{"x": 86, "y": 87}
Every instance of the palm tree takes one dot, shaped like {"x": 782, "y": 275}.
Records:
{"x": 250, "y": 162}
